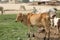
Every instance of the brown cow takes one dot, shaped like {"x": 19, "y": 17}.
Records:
{"x": 39, "y": 20}
{"x": 33, "y": 19}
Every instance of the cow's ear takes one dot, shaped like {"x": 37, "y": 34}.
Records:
{"x": 55, "y": 9}
{"x": 54, "y": 16}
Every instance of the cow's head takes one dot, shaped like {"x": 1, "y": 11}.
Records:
{"x": 19, "y": 17}
{"x": 52, "y": 12}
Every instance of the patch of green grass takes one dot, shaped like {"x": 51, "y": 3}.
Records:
{"x": 10, "y": 30}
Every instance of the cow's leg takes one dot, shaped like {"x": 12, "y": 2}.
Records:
{"x": 46, "y": 24}
{"x": 32, "y": 30}
{"x": 52, "y": 23}
{"x": 28, "y": 24}
{"x": 43, "y": 22}
{"x": 1, "y": 12}
{"x": 29, "y": 28}
{"x": 48, "y": 27}
{"x": 29, "y": 32}
{"x": 57, "y": 30}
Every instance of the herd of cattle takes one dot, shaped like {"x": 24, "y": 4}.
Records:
{"x": 45, "y": 20}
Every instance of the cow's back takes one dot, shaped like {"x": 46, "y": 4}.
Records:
{"x": 35, "y": 19}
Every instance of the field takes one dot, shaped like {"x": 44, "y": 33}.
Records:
{"x": 10, "y": 30}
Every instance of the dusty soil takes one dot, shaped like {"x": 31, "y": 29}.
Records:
{"x": 54, "y": 35}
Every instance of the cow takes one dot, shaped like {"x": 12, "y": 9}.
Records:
{"x": 39, "y": 20}
{"x": 32, "y": 19}
{"x": 52, "y": 13}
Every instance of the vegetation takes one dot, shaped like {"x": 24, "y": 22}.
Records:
{"x": 10, "y": 30}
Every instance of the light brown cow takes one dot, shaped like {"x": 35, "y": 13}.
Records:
{"x": 39, "y": 20}
{"x": 34, "y": 19}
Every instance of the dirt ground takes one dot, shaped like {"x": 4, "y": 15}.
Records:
{"x": 54, "y": 35}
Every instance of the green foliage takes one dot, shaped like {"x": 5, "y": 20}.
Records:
{"x": 10, "y": 30}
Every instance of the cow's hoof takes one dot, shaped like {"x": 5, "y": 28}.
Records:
{"x": 44, "y": 38}
{"x": 33, "y": 35}
{"x": 42, "y": 31}
{"x": 15, "y": 21}
{"x": 28, "y": 35}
